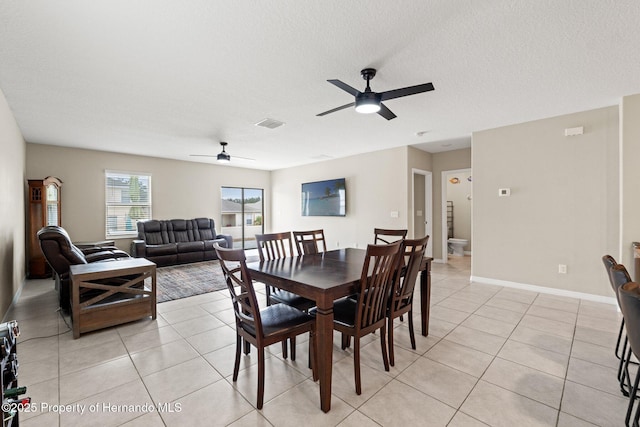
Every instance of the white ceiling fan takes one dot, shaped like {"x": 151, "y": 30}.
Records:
{"x": 223, "y": 156}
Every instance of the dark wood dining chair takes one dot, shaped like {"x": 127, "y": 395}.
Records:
{"x": 310, "y": 242}
{"x": 629, "y": 297}
{"x": 261, "y": 328}
{"x": 367, "y": 314}
{"x": 276, "y": 246}
{"x": 618, "y": 275}
{"x": 401, "y": 299}
{"x": 609, "y": 262}
{"x": 386, "y": 236}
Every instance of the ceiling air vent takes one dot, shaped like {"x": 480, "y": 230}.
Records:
{"x": 270, "y": 123}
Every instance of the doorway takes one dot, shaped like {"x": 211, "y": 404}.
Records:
{"x": 242, "y": 215}
{"x": 422, "y": 206}
{"x": 456, "y": 208}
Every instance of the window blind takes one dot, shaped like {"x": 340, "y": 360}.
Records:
{"x": 128, "y": 200}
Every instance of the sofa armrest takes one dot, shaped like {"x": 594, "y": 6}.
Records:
{"x": 138, "y": 248}
{"x": 227, "y": 238}
{"x": 94, "y": 249}
{"x": 106, "y": 255}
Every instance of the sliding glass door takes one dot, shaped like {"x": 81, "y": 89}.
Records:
{"x": 242, "y": 215}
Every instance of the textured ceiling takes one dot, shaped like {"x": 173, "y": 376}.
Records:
{"x": 173, "y": 78}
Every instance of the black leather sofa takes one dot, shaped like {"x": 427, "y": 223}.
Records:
{"x": 61, "y": 254}
{"x": 178, "y": 241}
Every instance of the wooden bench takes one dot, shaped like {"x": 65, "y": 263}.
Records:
{"x": 111, "y": 293}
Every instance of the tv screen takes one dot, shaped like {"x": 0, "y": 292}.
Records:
{"x": 324, "y": 198}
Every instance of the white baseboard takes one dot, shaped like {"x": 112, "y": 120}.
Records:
{"x": 15, "y": 299}
{"x": 545, "y": 290}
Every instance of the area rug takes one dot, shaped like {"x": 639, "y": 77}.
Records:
{"x": 181, "y": 281}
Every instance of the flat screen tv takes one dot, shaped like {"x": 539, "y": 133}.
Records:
{"x": 324, "y": 198}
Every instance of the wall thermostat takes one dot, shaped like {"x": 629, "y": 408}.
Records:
{"x": 504, "y": 192}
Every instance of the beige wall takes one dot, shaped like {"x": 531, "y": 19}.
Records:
{"x": 179, "y": 189}
{"x": 630, "y": 196}
{"x": 12, "y": 207}
{"x": 376, "y": 185}
{"x": 563, "y": 206}
{"x": 448, "y": 160}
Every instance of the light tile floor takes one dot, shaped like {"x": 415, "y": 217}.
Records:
{"x": 494, "y": 356}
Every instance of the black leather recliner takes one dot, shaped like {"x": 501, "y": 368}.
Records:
{"x": 61, "y": 254}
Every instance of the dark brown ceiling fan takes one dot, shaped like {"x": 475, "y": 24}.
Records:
{"x": 371, "y": 102}
{"x": 223, "y": 156}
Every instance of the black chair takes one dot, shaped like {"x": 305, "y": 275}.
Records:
{"x": 384, "y": 236}
{"x": 629, "y": 295}
{"x": 307, "y": 242}
{"x": 61, "y": 254}
{"x": 619, "y": 275}
{"x": 261, "y": 328}
{"x": 609, "y": 262}
{"x": 276, "y": 246}
{"x": 401, "y": 299}
{"x": 369, "y": 312}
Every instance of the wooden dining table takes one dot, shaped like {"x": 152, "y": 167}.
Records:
{"x": 325, "y": 277}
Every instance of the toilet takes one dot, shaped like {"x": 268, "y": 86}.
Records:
{"x": 457, "y": 246}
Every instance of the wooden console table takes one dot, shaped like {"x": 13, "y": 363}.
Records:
{"x": 110, "y": 293}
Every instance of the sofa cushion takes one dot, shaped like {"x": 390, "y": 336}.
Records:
{"x": 190, "y": 246}
{"x": 158, "y": 250}
{"x": 153, "y": 232}
{"x": 180, "y": 230}
{"x": 204, "y": 229}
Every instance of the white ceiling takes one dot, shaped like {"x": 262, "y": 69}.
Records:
{"x": 172, "y": 78}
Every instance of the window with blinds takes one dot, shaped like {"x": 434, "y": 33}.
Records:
{"x": 128, "y": 200}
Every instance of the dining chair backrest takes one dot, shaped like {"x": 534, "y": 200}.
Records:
{"x": 629, "y": 300}
{"x": 411, "y": 255}
{"x": 274, "y": 245}
{"x": 386, "y": 236}
{"x": 618, "y": 275}
{"x": 609, "y": 262}
{"x": 379, "y": 266}
{"x": 307, "y": 241}
{"x": 240, "y": 285}
{"x": 630, "y": 306}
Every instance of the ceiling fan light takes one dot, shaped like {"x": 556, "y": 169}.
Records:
{"x": 224, "y": 157}
{"x": 368, "y": 108}
{"x": 367, "y": 102}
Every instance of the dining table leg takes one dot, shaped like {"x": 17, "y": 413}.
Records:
{"x": 324, "y": 334}
{"x": 425, "y": 298}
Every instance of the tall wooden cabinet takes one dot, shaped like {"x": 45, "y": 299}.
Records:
{"x": 44, "y": 209}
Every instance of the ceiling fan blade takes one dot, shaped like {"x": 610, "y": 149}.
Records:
{"x": 386, "y": 113}
{"x": 202, "y": 155}
{"x": 406, "y": 91}
{"x": 351, "y": 104}
{"x": 345, "y": 87}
